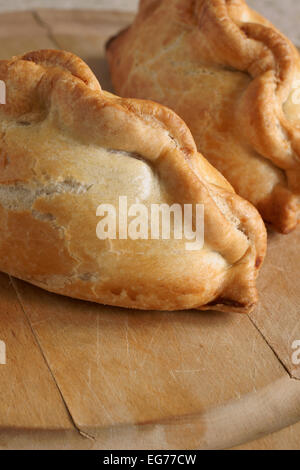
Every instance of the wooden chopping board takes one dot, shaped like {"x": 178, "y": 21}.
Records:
{"x": 84, "y": 376}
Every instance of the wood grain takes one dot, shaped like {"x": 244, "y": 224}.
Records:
{"x": 130, "y": 379}
{"x": 27, "y": 389}
{"x": 278, "y": 314}
{"x": 286, "y": 439}
{"x": 119, "y": 366}
{"x": 85, "y": 33}
{"x": 20, "y": 33}
{"x": 32, "y": 410}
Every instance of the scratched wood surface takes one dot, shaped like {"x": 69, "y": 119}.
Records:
{"x": 81, "y": 375}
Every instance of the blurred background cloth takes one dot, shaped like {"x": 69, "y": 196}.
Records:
{"x": 285, "y": 14}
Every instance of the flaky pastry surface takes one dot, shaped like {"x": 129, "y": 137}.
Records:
{"x": 68, "y": 146}
{"x": 235, "y": 80}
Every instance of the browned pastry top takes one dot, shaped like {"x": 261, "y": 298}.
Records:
{"x": 69, "y": 146}
{"x": 235, "y": 80}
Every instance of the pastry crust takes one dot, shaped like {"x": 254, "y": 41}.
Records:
{"x": 66, "y": 147}
{"x": 235, "y": 80}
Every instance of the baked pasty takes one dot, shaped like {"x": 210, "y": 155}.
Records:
{"x": 67, "y": 147}
{"x": 235, "y": 80}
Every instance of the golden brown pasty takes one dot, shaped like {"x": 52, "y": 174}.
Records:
{"x": 235, "y": 80}
{"x": 68, "y": 147}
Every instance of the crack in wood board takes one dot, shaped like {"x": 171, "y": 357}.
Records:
{"x": 191, "y": 426}
{"x": 46, "y": 18}
{"x": 82, "y": 433}
{"x": 285, "y": 367}
{"x": 46, "y": 27}
{"x": 218, "y": 428}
